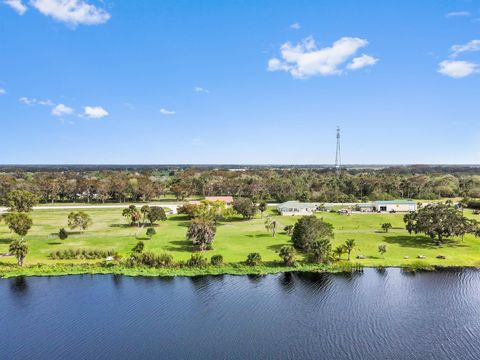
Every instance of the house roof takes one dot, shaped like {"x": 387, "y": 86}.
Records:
{"x": 395, "y": 202}
{"x": 297, "y": 205}
{"x": 227, "y": 199}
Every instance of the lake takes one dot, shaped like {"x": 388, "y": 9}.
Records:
{"x": 385, "y": 314}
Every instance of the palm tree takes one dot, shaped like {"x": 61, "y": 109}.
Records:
{"x": 339, "y": 250}
{"x": 349, "y": 246}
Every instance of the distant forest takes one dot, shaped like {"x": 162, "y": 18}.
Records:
{"x": 145, "y": 183}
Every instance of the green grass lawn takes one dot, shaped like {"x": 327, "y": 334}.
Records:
{"x": 237, "y": 238}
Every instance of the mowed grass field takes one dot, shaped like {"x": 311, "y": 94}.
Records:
{"x": 237, "y": 238}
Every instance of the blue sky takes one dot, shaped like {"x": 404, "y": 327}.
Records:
{"x": 262, "y": 82}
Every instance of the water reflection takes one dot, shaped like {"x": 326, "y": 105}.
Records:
{"x": 19, "y": 286}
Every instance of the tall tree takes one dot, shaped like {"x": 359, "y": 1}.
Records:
{"x": 245, "y": 207}
{"x": 20, "y": 201}
{"x": 201, "y": 232}
{"x": 439, "y": 221}
{"x": 19, "y": 222}
{"x": 309, "y": 229}
{"x": 19, "y": 249}
{"x": 79, "y": 220}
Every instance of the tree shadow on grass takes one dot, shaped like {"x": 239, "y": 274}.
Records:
{"x": 276, "y": 247}
{"x": 258, "y": 235}
{"x": 420, "y": 241}
{"x": 5, "y": 241}
{"x": 54, "y": 243}
{"x": 121, "y": 226}
{"x": 180, "y": 245}
{"x": 68, "y": 232}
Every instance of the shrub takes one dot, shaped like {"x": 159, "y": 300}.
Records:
{"x": 80, "y": 254}
{"x": 151, "y": 232}
{"x": 254, "y": 259}
{"x": 197, "y": 260}
{"x": 216, "y": 260}
{"x": 287, "y": 254}
{"x": 139, "y": 246}
{"x": 62, "y": 234}
{"x": 150, "y": 260}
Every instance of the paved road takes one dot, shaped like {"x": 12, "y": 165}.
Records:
{"x": 173, "y": 207}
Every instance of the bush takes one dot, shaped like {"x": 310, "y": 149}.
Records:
{"x": 287, "y": 254}
{"x": 62, "y": 234}
{"x": 139, "y": 246}
{"x": 254, "y": 259}
{"x": 150, "y": 260}
{"x": 80, "y": 254}
{"x": 216, "y": 260}
{"x": 197, "y": 260}
{"x": 151, "y": 232}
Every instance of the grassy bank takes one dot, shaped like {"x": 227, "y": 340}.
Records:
{"x": 235, "y": 239}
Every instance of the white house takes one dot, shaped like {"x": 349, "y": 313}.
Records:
{"x": 394, "y": 206}
{"x": 291, "y": 208}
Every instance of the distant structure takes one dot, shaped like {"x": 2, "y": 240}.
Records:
{"x": 338, "y": 156}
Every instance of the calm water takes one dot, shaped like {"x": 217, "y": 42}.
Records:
{"x": 374, "y": 315}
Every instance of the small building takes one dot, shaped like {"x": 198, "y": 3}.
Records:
{"x": 364, "y": 207}
{"x": 292, "y": 208}
{"x": 394, "y": 206}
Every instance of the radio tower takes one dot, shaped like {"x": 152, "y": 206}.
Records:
{"x": 338, "y": 157}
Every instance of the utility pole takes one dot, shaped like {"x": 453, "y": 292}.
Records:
{"x": 338, "y": 156}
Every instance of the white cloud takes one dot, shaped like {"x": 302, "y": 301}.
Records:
{"x": 457, "y": 14}
{"x": 167, "y": 112}
{"x": 32, "y": 101}
{"x": 199, "y": 89}
{"x": 3, "y": 91}
{"x": 473, "y": 45}
{"x": 95, "y": 112}
{"x": 47, "y": 102}
{"x": 457, "y": 69}
{"x": 26, "y": 101}
{"x": 362, "y": 61}
{"x": 295, "y": 26}
{"x": 305, "y": 60}
{"x": 73, "y": 12}
{"x": 61, "y": 110}
{"x": 16, "y": 5}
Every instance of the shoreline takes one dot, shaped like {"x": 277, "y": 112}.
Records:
{"x": 236, "y": 269}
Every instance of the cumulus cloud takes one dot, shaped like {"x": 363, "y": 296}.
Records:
{"x": 62, "y": 110}
{"x": 94, "y": 112}
{"x": 199, "y": 89}
{"x": 16, "y": 5}
{"x": 457, "y": 69}
{"x": 295, "y": 26}
{"x": 72, "y": 12}
{"x": 3, "y": 91}
{"x": 471, "y": 46}
{"x": 361, "y": 62}
{"x": 457, "y": 14}
{"x": 304, "y": 59}
{"x": 167, "y": 112}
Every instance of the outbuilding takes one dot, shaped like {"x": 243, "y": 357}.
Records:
{"x": 394, "y": 206}
{"x": 292, "y": 208}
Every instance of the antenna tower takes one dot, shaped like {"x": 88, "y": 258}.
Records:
{"x": 338, "y": 156}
